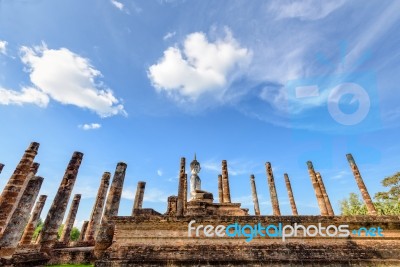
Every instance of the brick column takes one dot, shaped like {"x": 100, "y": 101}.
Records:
{"x": 26, "y": 238}
{"x": 14, "y": 229}
{"x": 225, "y": 182}
{"x": 254, "y": 195}
{"x": 1, "y": 167}
{"x": 138, "y": 203}
{"x": 48, "y": 235}
{"x": 290, "y": 193}
{"x": 272, "y": 190}
{"x": 15, "y": 186}
{"x": 325, "y": 195}
{"x": 83, "y": 231}
{"x": 220, "y": 190}
{"x": 185, "y": 193}
{"x": 360, "y": 182}
{"x": 317, "y": 189}
{"x": 69, "y": 222}
{"x": 97, "y": 211}
{"x": 106, "y": 231}
{"x": 179, "y": 205}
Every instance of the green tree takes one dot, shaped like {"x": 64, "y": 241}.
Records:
{"x": 352, "y": 206}
{"x": 38, "y": 228}
{"x": 393, "y": 182}
{"x": 75, "y": 234}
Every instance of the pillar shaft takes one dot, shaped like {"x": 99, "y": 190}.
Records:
{"x": 254, "y": 195}
{"x": 106, "y": 231}
{"x": 185, "y": 193}
{"x": 98, "y": 206}
{"x": 360, "y": 183}
{"x": 325, "y": 195}
{"x": 179, "y": 204}
{"x": 14, "y": 229}
{"x": 290, "y": 193}
{"x": 55, "y": 216}
{"x": 1, "y": 167}
{"x": 83, "y": 231}
{"x": 15, "y": 186}
{"x": 26, "y": 238}
{"x": 317, "y": 189}
{"x": 138, "y": 203}
{"x": 69, "y": 222}
{"x": 225, "y": 183}
{"x": 220, "y": 190}
{"x": 272, "y": 190}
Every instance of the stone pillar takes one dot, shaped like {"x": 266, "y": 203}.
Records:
{"x": 254, "y": 194}
{"x": 185, "y": 193}
{"x": 1, "y": 167}
{"x": 14, "y": 229}
{"x": 26, "y": 238}
{"x": 290, "y": 193}
{"x": 360, "y": 182}
{"x": 138, "y": 203}
{"x": 317, "y": 189}
{"x": 15, "y": 186}
{"x": 220, "y": 190}
{"x": 325, "y": 194}
{"x": 171, "y": 209}
{"x": 69, "y": 222}
{"x": 48, "y": 236}
{"x": 225, "y": 182}
{"x": 179, "y": 205}
{"x": 97, "y": 210}
{"x": 272, "y": 190}
{"x": 106, "y": 231}
{"x": 83, "y": 231}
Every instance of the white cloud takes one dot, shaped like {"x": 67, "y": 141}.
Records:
{"x": 90, "y": 126}
{"x": 69, "y": 79}
{"x": 199, "y": 67}
{"x": 159, "y": 172}
{"x": 3, "y": 47}
{"x": 305, "y": 9}
{"x": 117, "y": 4}
{"x": 169, "y": 35}
{"x": 28, "y": 95}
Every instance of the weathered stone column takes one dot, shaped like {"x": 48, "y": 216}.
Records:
{"x": 83, "y": 231}
{"x": 48, "y": 235}
{"x": 106, "y": 231}
{"x": 69, "y": 222}
{"x": 179, "y": 205}
{"x": 225, "y": 182}
{"x": 290, "y": 193}
{"x": 1, "y": 167}
{"x": 360, "y": 182}
{"x": 325, "y": 194}
{"x": 138, "y": 203}
{"x": 14, "y": 229}
{"x": 254, "y": 194}
{"x": 15, "y": 186}
{"x": 98, "y": 206}
{"x": 220, "y": 190}
{"x": 26, "y": 238}
{"x": 272, "y": 190}
{"x": 185, "y": 193}
{"x": 317, "y": 189}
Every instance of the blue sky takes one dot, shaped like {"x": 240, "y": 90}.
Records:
{"x": 147, "y": 82}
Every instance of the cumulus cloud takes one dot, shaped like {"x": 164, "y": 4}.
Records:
{"x": 117, "y": 4}
{"x": 3, "y": 47}
{"x": 200, "y": 66}
{"x": 305, "y": 9}
{"x": 69, "y": 79}
{"x": 28, "y": 95}
{"x": 90, "y": 126}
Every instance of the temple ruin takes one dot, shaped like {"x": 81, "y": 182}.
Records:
{"x": 181, "y": 235}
